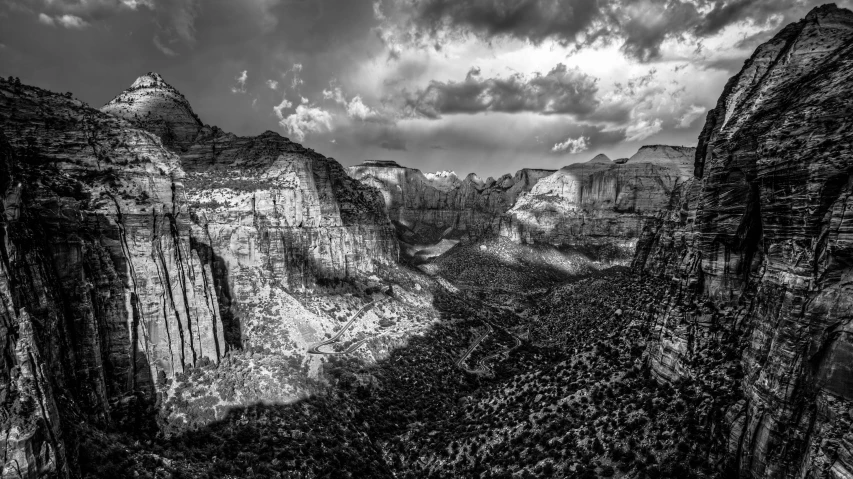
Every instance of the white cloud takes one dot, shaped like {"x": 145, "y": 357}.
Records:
{"x": 284, "y": 105}
{"x": 572, "y": 145}
{"x": 272, "y": 84}
{"x": 163, "y": 47}
{"x": 304, "y": 100}
{"x": 335, "y": 94}
{"x": 241, "y": 82}
{"x": 690, "y": 116}
{"x": 307, "y": 119}
{"x": 72, "y": 21}
{"x": 642, "y": 129}
{"x": 133, "y": 4}
{"x": 45, "y": 19}
{"x": 357, "y": 109}
{"x": 295, "y": 82}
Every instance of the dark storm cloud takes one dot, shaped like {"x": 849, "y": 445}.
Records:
{"x": 641, "y": 26}
{"x": 561, "y": 91}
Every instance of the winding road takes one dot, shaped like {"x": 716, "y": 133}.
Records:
{"x": 473, "y": 346}
{"x": 336, "y": 338}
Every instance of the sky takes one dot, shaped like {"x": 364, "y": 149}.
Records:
{"x": 484, "y": 86}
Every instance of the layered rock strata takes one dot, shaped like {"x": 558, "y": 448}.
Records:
{"x": 103, "y": 292}
{"x": 429, "y": 207}
{"x": 272, "y": 217}
{"x": 760, "y": 250}
{"x": 599, "y": 205}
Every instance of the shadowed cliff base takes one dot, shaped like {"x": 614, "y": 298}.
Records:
{"x": 574, "y": 400}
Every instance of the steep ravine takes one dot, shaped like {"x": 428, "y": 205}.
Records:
{"x": 760, "y": 251}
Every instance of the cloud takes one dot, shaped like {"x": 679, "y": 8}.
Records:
{"x": 335, "y": 94}
{"x": 162, "y": 47}
{"x": 572, "y": 145}
{"x": 306, "y": 119}
{"x": 561, "y": 91}
{"x": 643, "y": 129}
{"x": 284, "y": 105}
{"x": 241, "y": 82}
{"x": 640, "y": 26}
{"x": 296, "y": 81}
{"x": 67, "y": 21}
{"x": 357, "y": 109}
{"x": 72, "y": 21}
{"x": 46, "y": 20}
{"x": 687, "y": 119}
{"x": 272, "y": 84}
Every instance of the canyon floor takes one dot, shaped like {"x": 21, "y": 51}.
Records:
{"x": 534, "y": 373}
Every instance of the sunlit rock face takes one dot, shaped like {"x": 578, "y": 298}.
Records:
{"x": 103, "y": 292}
{"x": 599, "y": 205}
{"x": 429, "y": 207}
{"x": 761, "y": 238}
{"x": 272, "y": 217}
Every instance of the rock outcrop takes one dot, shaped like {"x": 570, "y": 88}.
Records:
{"x": 127, "y": 263}
{"x": 103, "y": 292}
{"x": 154, "y": 105}
{"x": 600, "y": 205}
{"x": 429, "y": 207}
{"x": 271, "y": 216}
{"x": 760, "y": 250}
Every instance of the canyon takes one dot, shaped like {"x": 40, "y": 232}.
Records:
{"x": 166, "y": 286}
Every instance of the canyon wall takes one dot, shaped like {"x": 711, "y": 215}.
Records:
{"x": 426, "y": 208}
{"x": 600, "y": 206}
{"x": 759, "y": 247}
{"x": 126, "y": 263}
{"x": 103, "y": 292}
{"x": 271, "y": 216}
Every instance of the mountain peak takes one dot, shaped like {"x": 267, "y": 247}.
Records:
{"x": 156, "y": 106}
{"x": 150, "y": 80}
{"x": 600, "y": 158}
{"x": 823, "y": 10}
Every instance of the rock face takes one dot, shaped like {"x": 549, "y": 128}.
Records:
{"x": 762, "y": 239}
{"x": 429, "y": 207}
{"x": 269, "y": 215}
{"x": 103, "y": 290}
{"x": 600, "y": 205}
{"x": 125, "y": 264}
{"x": 154, "y": 105}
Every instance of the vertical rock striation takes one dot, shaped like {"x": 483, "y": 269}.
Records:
{"x": 763, "y": 237}
{"x": 268, "y": 216}
{"x": 599, "y": 205}
{"x": 426, "y": 208}
{"x": 103, "y": 293}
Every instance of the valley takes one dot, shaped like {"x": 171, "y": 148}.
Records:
{"x": 178, "y": 301}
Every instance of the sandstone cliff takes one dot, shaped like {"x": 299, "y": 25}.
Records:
{"x": 427, "y": 208}
{"x": 759, "y": 250}
{"x": 103, "y": 292}
{"x": 127, "y": 264}
{"x": 599, "y": 205}
{"x": 269, "y": 215}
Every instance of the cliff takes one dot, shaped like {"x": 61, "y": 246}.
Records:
{"x": 426, "y": 208}
{"x": 599, "y": 205}
{"x": 132, "y": 258}
{"x": 103, "y": 292}
{"x": 759, "y": 250}
{"x": 272, "y": 217}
